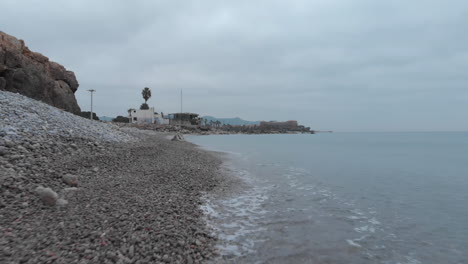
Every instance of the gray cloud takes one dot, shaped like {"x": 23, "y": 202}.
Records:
{"x": 341, "y": 65}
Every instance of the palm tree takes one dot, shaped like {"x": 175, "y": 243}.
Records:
{"x": 146, "y": 94}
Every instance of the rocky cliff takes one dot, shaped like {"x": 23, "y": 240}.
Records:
{"x": 33, "y": 75}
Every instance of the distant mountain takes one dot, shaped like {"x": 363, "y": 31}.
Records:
{"x": 236, "y": 121}
{"x": 106, "y": 118}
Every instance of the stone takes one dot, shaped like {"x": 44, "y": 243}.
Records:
{"x": 33, "y": 75}
{"x": 35, "y": 146}
{"x": 16, "y": 157}
{"x": 131, "y": 251}
{"x": 47, "y": 195}
{"x": 62, "y": 202}
{"x": 178, "y": 137}
{"x": 7, "y": 251}
{"x": 70, "y": 179}
{"x": 189, "y": 259}
{"x": 8, "y": 143}
{"x": 21, "y": 149}
{"x": 3, "y": 150}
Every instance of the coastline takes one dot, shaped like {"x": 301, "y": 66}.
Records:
{"x": 193, "y": 130}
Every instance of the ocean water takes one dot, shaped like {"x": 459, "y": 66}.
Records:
{"x": 343, "y": 198}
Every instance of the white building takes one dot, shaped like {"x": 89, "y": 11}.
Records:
{"x": 138, "y": 116}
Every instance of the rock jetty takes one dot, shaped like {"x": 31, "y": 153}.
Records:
{"x": 32, "y": 74}
{"x": 74, "y": 190}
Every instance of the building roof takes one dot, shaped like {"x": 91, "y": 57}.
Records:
{"x": 186, "y": 113}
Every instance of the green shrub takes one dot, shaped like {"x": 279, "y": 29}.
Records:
{"x": 121, "y": 119}
{"x": 86, "y": 115}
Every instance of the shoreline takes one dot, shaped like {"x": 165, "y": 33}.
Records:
{"x": 226, "y": 205}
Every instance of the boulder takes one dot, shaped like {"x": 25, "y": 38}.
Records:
{"x": 32, "y": 74}
{"x": 47, "y": 195}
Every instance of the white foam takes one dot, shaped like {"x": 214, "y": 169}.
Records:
{"x": 353, "y": 244}
{"x": 374, "y": 221}
{"x": 209, "y": 210}
{"x": 235, "y": 218}
{"x": 364, "y": 229}
{"x": 410, "y": 260}
{"x": 353, "y": 217}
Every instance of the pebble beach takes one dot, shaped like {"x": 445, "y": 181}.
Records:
{"x": 80, "y": 191}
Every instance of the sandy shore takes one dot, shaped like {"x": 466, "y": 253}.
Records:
{"x": 135, "y": 202}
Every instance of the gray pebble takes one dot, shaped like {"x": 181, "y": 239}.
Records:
{"x": 3, "y": 150}
{"x": 70, "y": 180}
{"x": 47, "y": 195}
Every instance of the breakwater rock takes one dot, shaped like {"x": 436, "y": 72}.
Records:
{"x": 32, "y": 74}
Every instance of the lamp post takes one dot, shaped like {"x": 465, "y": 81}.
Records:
{"x": 91, "y": 114}
{"x": 180, "y": 108}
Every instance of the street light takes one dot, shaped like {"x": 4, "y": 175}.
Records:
{"x": 91, "y": 114}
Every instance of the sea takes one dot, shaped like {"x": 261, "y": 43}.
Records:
{"x": 390, "y": 198}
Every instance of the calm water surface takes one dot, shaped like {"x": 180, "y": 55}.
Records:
{"x": 344, "y": 198}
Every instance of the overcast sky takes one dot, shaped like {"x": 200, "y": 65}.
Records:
{"x": 343, "y": 65}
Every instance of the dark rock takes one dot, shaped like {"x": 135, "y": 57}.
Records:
{"x": 33, "y": 75}
{"x": 2, "y": 83}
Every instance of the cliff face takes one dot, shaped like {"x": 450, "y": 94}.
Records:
{"x": 33, "y": 75}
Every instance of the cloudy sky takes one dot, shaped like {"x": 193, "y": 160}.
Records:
{"x": 343, "y": 65}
